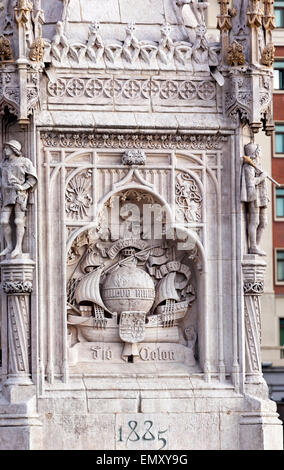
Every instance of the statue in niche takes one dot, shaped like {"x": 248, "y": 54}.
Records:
{"x": 254, "y": 194}
{"x": 18, "y": 179}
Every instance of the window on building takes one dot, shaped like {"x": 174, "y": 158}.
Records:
{"x": 281, "y": 321}
{"x": 281, "y": 327}
{"x": 279, "y": 202}
{"x": 279, "y": 138}
{"x": 278, "y": 75}
{"x": 280, "y": 266}
{"x": 279, "y": 13}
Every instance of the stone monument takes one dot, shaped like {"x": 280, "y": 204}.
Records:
{"x": 131, "y": 266}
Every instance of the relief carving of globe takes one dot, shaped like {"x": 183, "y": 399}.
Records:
{"x": 128, "y": 289}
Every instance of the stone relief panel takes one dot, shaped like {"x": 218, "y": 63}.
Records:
{"x": 134, "y": 227}
{"x": 129, "y": 299}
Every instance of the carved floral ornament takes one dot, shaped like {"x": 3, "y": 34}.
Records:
{"x": 134, "y": 141}
{"x": 5, "y": 49}
{"x": 267, "y": 57}
{"x": 37, "y": 50}
{"x": 78, "y": 199}
{"x": 188, "y": 198}
{"x": 235, "y": 54}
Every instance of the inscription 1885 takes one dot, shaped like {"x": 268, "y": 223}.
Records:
{"x": 144, "y": 431}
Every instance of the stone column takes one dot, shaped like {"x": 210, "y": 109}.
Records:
{"x": 253, "y": 267}
{"x": 17, "y": 277}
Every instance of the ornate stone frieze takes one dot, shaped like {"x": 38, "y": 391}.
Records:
{"x": 139, "y": 90}
{"x": 133, "y": 141}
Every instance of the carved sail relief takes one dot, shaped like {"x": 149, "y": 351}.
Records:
{"x": 166, "y": 290}
{"x": 89, "y": 289}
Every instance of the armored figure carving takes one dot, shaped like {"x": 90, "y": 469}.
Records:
{"x": 18, "y": 178}
{"x": 254, "y": 194}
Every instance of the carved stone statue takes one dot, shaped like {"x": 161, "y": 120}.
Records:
{"x": 254, "y": 194}
{"x": 18, "y": 178}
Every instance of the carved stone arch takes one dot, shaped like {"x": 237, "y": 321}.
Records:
{"x": 78, "y": 153}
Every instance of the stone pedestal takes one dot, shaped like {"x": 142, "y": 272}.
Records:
{"x": 253, "y": 284}
{"x": 17, "y": 284}
{"x": 20, "y": 427}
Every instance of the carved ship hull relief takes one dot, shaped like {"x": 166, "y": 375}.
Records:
{"x": 121, "y": 302}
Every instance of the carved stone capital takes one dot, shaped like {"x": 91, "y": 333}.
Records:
{"x": 17, "y": 287}
{"x": 17, "y": 276}
{"x": 253, "y": 288}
